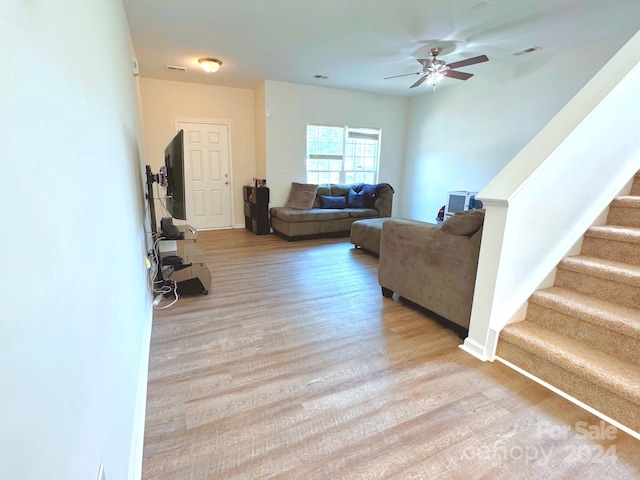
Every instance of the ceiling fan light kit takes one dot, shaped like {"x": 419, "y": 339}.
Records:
{"x": 434, "y": 70}
{"x": 210, "y": 65}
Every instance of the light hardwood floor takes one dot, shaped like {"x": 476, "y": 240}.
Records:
{"x": 295, "y": 367}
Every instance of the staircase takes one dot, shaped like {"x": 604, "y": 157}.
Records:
{"x": 583, "y": 334}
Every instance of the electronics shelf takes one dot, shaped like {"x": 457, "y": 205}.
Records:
{"x": 186, "y": 267}
{"x": 256, "y": 209}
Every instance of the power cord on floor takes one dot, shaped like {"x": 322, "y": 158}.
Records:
{"x": 160, "y": 297}
{"x": 157, "y": 283}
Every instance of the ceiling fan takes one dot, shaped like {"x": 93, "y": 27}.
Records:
{"x": 435, "y": 70}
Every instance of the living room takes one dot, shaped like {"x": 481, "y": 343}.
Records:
{"x": 77, "y": 313}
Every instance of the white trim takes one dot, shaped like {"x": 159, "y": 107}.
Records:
{"x": 230, "y": 227}
{"x": 226, "y": 123}
{"x": 231, "y": 184}
{"x": 573, "y": 400}
{"x": 205, "y": 121}
{"x": 139, "y": 414}
{"x": 494, "y": 202}
{"x": 492, "y": 344}
{"x": 474, "y": 348}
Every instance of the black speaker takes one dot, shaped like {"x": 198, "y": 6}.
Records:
{"x": 192, "y": 280}
{"x": 166, "y": 222}
{"x": 169, "y": 230}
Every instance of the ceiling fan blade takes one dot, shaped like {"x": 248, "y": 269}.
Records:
{"x": 458, "y": 75}
{"x": 425, "y": 62}
{"x": 403, "y": 75}
{"x": 419, "y": 82}
{"x": 469, "y": 61}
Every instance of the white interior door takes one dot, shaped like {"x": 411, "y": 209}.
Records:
{"x": 206, "y": 172}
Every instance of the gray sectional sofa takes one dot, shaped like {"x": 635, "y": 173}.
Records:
{"x": 299, "y": 223}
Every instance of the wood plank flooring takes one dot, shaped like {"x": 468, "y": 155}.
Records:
{"x": 295, "y": 367}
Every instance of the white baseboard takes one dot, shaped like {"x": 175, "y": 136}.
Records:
{"x": 573, "y": 400}
{"x": 474, "y": 348}
{"x": 137, "y": 437}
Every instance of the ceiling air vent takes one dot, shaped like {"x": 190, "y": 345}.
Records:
{"x": 179, "y": 69}
{"x": 527, "y": 50}
{"x": 320, "y": 77}
{"x": 482, "y": 4}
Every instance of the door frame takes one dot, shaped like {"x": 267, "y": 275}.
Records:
{"x": 226, "y": 123}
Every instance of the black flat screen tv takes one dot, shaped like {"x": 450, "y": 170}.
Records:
{"x": 174, "y": 164}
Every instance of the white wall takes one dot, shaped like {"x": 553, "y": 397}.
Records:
{"x": 571, "y": 171}
{"x": 164, "y": 102}
{"x": 261, "y": 132}
{"x": 461, "y": 137}
{"x": 290, "y": 107}
{"x": 76, "y": 315}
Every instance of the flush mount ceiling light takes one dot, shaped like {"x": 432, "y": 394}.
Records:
{"x": 210, "y": 65}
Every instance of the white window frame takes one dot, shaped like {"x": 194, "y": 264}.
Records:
{"x": 355, "y": 161}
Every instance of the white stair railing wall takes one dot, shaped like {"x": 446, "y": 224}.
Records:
{"x": 539, "y": 206}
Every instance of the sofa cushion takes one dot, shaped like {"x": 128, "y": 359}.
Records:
{"x": 361, "y": 212}
{"x": 323, "y": 189}
{"x": 464, "y": 223}
{"x": 301, "y": 196}
{"x": 314, "y": 215}
{"x": 356, "y": 199}
{"x": 342, "y": 189}
{"x": 333, "y": 202}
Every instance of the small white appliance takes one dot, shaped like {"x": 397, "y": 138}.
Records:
{"x": 458, "y": 202}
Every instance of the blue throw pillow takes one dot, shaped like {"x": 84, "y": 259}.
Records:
{"x": 370, "y": 194}
{"x": 369, "y": 189}
{"x": 356, "y": 199}
{"x": 333, "y": 202}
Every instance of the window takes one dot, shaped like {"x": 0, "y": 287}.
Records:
{"x": 342, "y": 154}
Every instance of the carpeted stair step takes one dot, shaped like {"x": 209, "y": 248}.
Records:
{"x": 606, "y": 383}
{"x": 606, "y": 326}
{"x": 613, "y": 242}
{"x": 635, "y": 186}
{"x": 605, "y": 279}
{"x": 625, "y": 211}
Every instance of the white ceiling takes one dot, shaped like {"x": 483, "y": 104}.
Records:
{"x": 356, "y": 43}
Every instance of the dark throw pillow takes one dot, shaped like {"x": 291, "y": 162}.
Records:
{"x": 370, "y": 194}
{"x": 370, "y": 189}
{"x": 356, "y": 199}
{"x": 301, "y": 196}
{"x": 333, "y": 202}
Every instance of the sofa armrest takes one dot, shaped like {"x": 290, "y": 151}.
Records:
{"x": 384, "y": 200}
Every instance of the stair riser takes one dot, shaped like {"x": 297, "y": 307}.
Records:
{"x": 605, "y": 401}
{"x": 608, "y": 341}
{"x": 598, "y": 287}
{"x": 623, "y": 252}
{"x": 626, "y": 216}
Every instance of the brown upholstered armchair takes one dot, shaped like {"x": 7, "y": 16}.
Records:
{"x": 434, "y": 267}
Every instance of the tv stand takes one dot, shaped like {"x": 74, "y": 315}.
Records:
{"x": 192, "y": 276}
